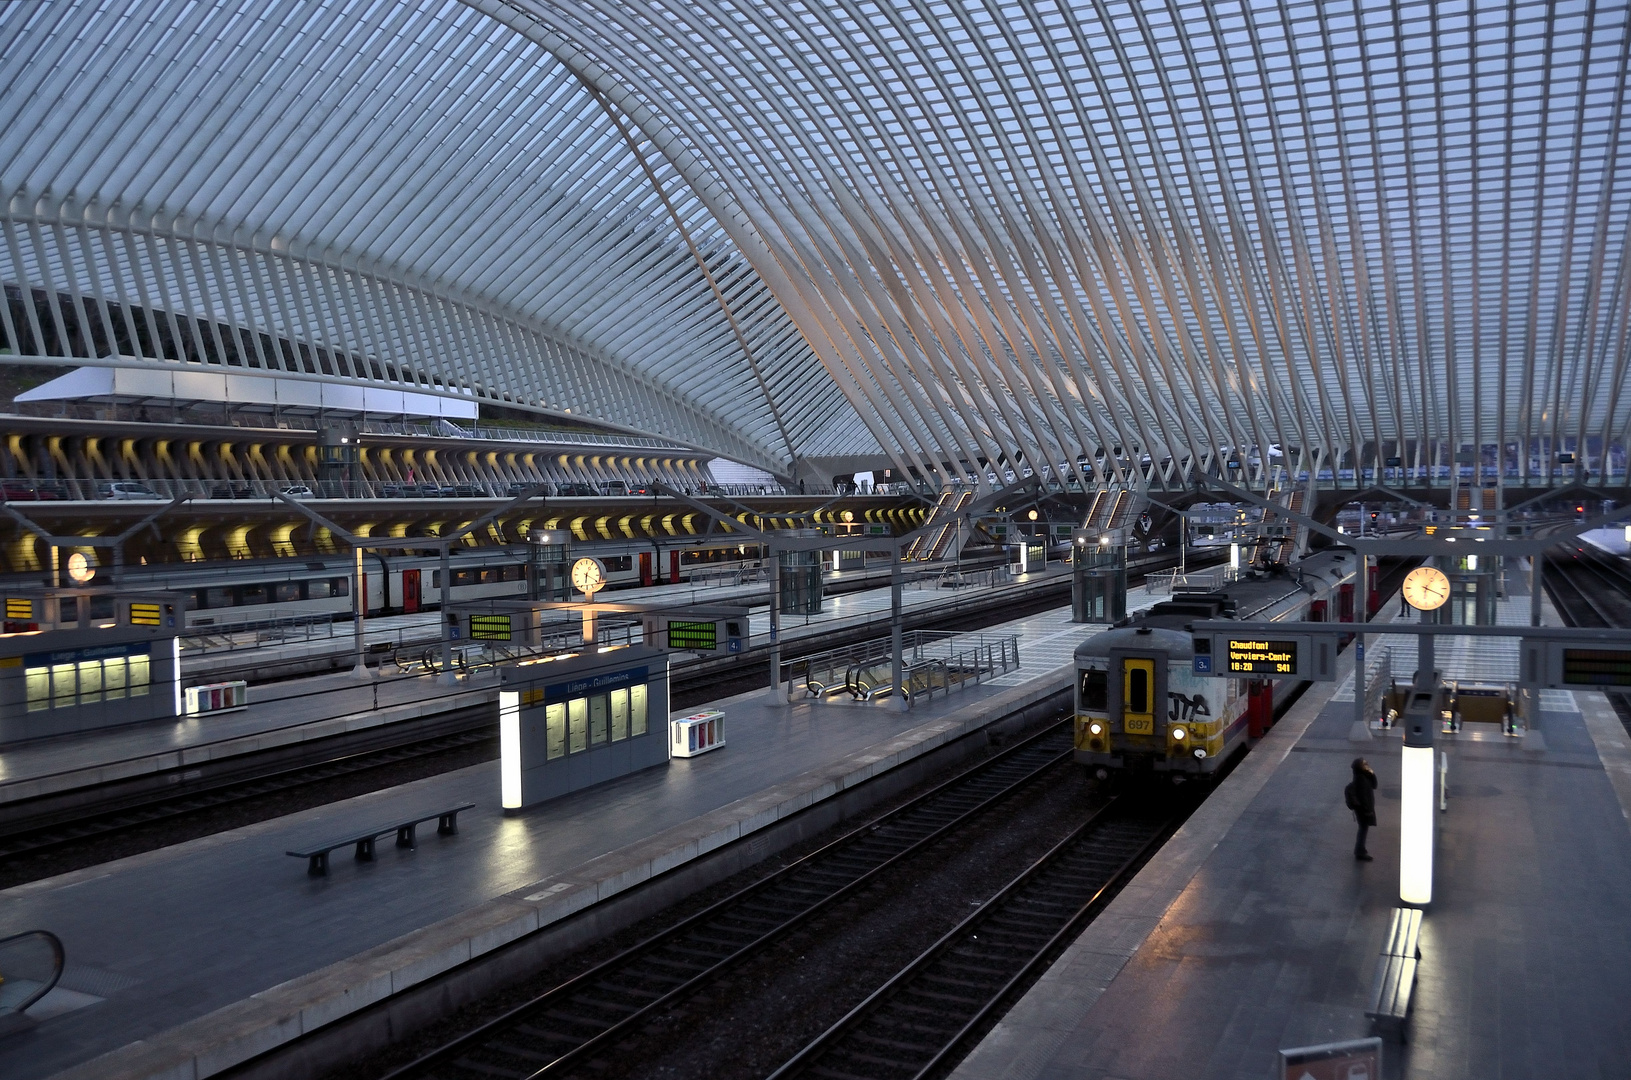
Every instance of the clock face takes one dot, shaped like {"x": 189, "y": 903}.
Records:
{"x": 1426, "y": 588}
{"x": 588, "y": 575}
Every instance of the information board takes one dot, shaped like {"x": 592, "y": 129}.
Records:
{"x": 696, "y": 636}
{"x": 145, "y": 615}
{"x": 1596, "y": 667}
{"x": 490, "y": 627}
{"x": 1261, "y": 656}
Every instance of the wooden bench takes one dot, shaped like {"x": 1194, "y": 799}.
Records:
{"x": 1396, "y": 972}
{"x": 447, "y": 823}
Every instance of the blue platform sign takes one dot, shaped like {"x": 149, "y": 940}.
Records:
{"x": 1203, "y": 665}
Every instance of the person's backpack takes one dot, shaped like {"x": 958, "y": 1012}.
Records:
{"x": 1350, "y": 796}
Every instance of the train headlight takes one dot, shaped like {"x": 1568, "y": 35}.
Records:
{"x": 1200, "y": 751}
{"x": 1095, "y": 728}
{"x": 1178, "y": 734}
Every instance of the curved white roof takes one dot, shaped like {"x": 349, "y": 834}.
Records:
{"x": 954, "y": 232}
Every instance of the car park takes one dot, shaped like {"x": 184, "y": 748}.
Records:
{"x": 126, "y": 489}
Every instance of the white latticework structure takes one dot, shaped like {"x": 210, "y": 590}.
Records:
{"x": 1101, "y": 241}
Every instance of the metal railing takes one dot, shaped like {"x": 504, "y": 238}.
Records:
{"x": 931, "y": 662}
{"x": 1168, "y": 582}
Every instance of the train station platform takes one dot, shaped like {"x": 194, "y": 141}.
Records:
{"x": 225, "y": 948}
{"x": 285, "y": 714}
{"x": 1255, "y": 929}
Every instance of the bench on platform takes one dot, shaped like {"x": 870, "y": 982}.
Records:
{"x": 447, "y": 823}
{"x": 1395, "y": 977}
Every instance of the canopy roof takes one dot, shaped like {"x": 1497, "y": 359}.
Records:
{"x": 946, "y": 234}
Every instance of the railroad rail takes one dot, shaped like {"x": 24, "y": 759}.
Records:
{"x": 915, "y": 1024}
{"x": 581, "y": 1021}
{"x": 1591, "y": 588}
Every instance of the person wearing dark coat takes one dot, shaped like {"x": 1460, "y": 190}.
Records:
{"x": 1361, "y": 796}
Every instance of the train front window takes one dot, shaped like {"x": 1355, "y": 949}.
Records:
{"x": 1138, "y": 690}
{"x": 1095, "y": 690}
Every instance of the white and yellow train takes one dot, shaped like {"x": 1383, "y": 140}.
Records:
{"x": 1141, "y": 707}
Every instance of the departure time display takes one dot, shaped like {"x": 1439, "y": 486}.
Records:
{"x": 1260, "y": 656}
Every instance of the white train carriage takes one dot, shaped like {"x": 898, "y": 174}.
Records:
{"x": 1141, "y": 707}
{"x": 405, "y": 584}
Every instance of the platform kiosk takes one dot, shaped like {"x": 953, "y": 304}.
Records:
{"x": 572, "y": 721}
{"x": 1098, "y": 583}
{"x": 81, "y": 659}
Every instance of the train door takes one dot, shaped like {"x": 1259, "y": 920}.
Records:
{"x": 410, "y": 592}
{"x": 1138, "y": 696}
{"x": 1259, "y": 707}
{"x": 645, "y": 568}
{"x": 673, "y": 568}
{"x": 1345, "y": 603}
{"x": 1316, "y": 611}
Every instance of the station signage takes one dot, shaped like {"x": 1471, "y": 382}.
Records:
{"x": 1263, "y": 656}
{"x": 1563, "y": 665}
{"x": 490, "y": 628}
{"x": 695, "y": 636}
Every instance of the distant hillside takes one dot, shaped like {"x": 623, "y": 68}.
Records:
{"x": 15, "y": 378}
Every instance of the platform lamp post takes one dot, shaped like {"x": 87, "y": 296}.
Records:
{"x": 1426, "y": 588}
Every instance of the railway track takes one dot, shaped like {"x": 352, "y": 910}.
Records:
{"x": 1590, "y": 588}
{"x": 579, "y": 1024}
{"x": 477, "y": 731}
{"x": 915, "y": 1024}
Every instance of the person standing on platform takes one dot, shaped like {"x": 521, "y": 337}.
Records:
{"x": 1361, "y": 799}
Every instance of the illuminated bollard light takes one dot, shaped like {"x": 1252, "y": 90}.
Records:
{"x": 509, "y": 748}
{"x": 1416, "y": 824}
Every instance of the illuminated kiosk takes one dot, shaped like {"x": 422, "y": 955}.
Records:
{"x": 81, "y": 659}
{"x": 572, "y": 721}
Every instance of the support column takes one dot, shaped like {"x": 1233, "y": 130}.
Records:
{"x": 895, "y": 665}
{"x": 1359, "y": 730}
{"x": 447, "y": 677}
{"x": 775, "y": 624}
{"x": 358, "y": 598}
{"x": 1537, "y": 573}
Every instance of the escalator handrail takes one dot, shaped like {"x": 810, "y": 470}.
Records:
{"x": 57, "y": 952}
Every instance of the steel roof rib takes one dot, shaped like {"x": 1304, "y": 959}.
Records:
{"x": 940, "y": 236}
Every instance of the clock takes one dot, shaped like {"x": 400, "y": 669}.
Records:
{"x": 588, "y": 576}
{"x": 1426, "y": 588}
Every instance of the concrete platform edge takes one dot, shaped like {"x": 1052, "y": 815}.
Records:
{"x": 1026, "y": 1038}
{"x": 273, "y": 1017}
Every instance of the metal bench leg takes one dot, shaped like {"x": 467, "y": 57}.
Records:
{"x": 317, "y": 865}
{"x": 404, "y": 836}
{"x": 447, "y": 824}
{"x": 365, "y": 850}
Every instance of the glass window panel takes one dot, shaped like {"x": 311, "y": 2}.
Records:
{"x": 316, "y": 590}
{"x": 555, "y": 731}
{"x": 620, "y": 715}
{"x": 137, "y": 679}
{"x": 38, "y": 688}
{"x": 90, "y": 680}
{"x": 599, "y": 714}
{"x": 637, "y": 709}
{"x": 68, "y": 609}
{"x": 113, "y": 678}
{"x": 101, "y": 607}
{"x": 287, "y": 591}
{"x": 218, "y": 598}
{"x": 64, "y": 684}
{"x": 577, "y": 716}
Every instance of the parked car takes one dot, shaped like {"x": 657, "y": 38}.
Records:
{"x": 126, "y": 489}
{"x": 299, "y": 491}
{"x": 25, "y": 491}
{"x": 521, "y": 487}
{"x": 399, "y": 491}
{"x": 615, "y": 487}
{"x": 575, "y": 490}
{"x": 643, "y": 489}
{"x": 232, "y": 491}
